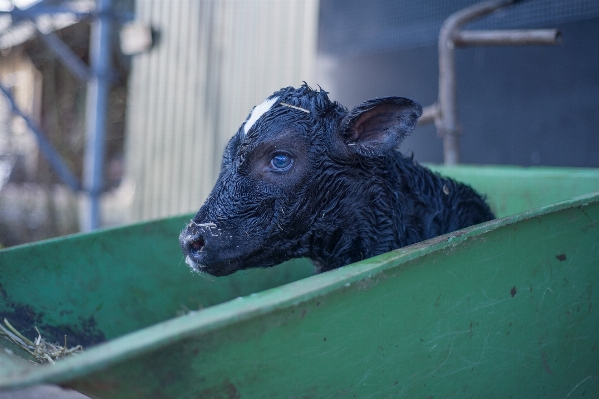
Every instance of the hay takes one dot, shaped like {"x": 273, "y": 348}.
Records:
{"x": 40, "y": 349}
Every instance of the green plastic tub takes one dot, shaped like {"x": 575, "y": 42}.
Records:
{"x": 509, "y": 308}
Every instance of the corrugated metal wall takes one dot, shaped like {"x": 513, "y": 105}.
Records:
{"x": 212, "y": 62}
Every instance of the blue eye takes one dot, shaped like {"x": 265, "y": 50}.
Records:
{"x": 281, "y": 162}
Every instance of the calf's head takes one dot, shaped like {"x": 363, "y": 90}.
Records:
{"x": 293, "y": 181}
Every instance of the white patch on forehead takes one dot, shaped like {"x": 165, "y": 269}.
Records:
{"x": 257, "y": 113}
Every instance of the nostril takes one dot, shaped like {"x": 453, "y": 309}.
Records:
{"x": 197, "y": 245}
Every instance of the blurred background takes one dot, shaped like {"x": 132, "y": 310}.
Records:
{"x": 117, "y": 111}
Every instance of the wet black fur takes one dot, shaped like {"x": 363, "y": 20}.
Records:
{"x": 349, "y": 196}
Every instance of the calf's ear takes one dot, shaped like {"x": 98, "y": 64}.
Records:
{"x": 377, "y": 126}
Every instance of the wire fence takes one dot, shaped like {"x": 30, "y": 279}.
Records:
{"x": 355, "y": 27}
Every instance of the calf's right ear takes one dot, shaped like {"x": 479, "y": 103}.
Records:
{"x": 377, "y": 126}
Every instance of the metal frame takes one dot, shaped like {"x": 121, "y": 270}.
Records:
{"x": 444, "y": 111}
{"x": 97, "y": 76}
{"x": 45, "y": 146}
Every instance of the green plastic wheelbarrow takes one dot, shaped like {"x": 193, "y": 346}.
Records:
{"x": 509, "y": 308}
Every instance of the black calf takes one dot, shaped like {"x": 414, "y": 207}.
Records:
{"x": 303, "y": 177}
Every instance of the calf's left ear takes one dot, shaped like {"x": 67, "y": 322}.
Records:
{"x": 377, "y": 126}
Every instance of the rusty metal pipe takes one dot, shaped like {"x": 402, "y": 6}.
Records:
{"x": 506, "y": 37}
{"x": 429, "y": 114}
{"x": 447, "y": 117}
{"x": 444, "y": 111}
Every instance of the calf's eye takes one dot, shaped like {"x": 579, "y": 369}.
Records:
{"x": 281, "y": 162}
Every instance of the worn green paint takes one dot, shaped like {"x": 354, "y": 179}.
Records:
{"x": 503, "y": 309}
{"x": 125, "y": 279}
